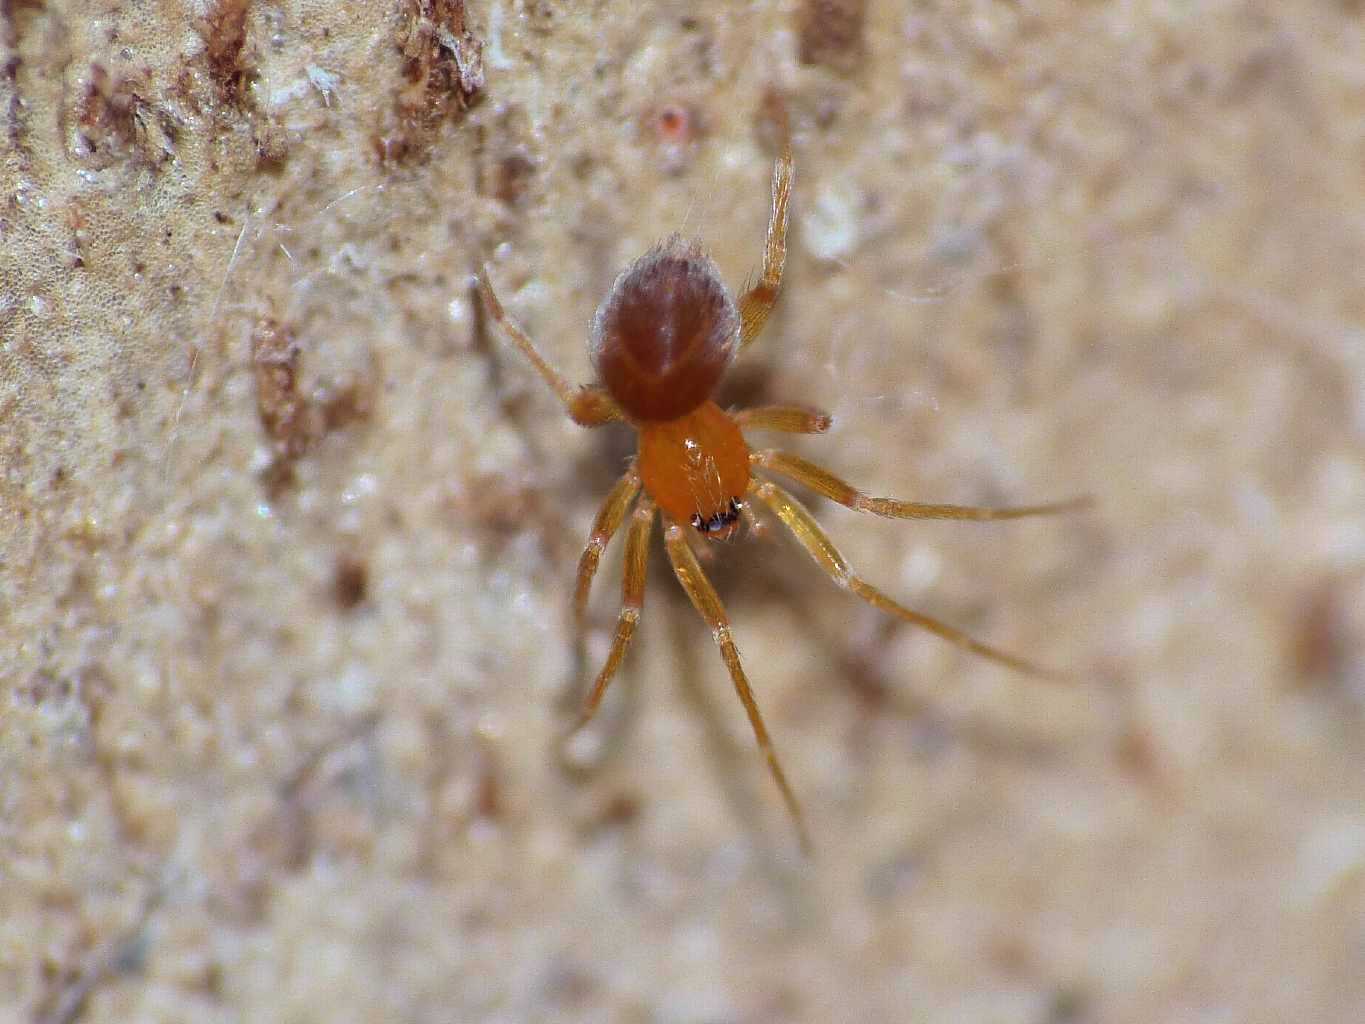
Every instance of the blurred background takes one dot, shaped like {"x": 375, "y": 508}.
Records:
{"x": 287, "y": 533}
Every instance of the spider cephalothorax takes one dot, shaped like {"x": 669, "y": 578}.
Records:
{"x": 661, "y": 341}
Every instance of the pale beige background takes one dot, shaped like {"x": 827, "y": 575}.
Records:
{"x": 1037, "y": 249}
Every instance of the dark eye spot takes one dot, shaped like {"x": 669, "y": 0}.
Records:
{"x": 720, "y": 520}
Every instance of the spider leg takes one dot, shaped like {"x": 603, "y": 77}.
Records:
{"x": 705, "y": 599}
{"x": 817, "y": 543}
{"x": 609, "y": 519}
{"x": 756, "y": 303}
{"x": 632, "y": 599}
{"x": 821, "y": 481}
{"x": 787, "y": 419}
{"x": 586, "y": 406}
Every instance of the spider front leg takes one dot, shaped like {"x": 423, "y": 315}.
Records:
{"x": 817, "y": 543}
{"x": 756, "y": 303}
{"x": 586, "y": 406}
{"x": 609, "y": 519}
{"x": 632, "y": 596}
{"x": 705, "y": 599}
{"x": 821, "y": 481}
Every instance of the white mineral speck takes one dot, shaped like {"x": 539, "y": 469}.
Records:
{"x": 288, "y": 93}
{"x": 323, "y": 81}
{"x": 830, "y": 226}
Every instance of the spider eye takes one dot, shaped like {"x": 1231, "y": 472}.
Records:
{"x": 721, "y": 521}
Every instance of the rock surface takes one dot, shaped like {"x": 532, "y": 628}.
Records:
{"x": 287, "y": 535}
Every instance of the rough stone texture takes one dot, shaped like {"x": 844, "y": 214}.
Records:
{"x": 286, "y": 537}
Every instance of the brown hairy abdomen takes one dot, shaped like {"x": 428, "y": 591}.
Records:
{"x": 666, "y": 333}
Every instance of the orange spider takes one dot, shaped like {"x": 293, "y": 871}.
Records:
{"x": 661, "y": 341}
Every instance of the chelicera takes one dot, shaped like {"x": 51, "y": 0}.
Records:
{"x": 661, "y": 341}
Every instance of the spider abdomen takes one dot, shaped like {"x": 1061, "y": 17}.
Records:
{"x": 666, "y": 333}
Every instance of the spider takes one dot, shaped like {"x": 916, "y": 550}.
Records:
{"x": 660, "y": 343}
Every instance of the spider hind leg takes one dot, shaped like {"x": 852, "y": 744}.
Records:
{"x": 756, "y": 304}
{"x": 586, "y": 406}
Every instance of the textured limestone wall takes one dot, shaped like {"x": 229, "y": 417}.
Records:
{"x": 287, "y": 534}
